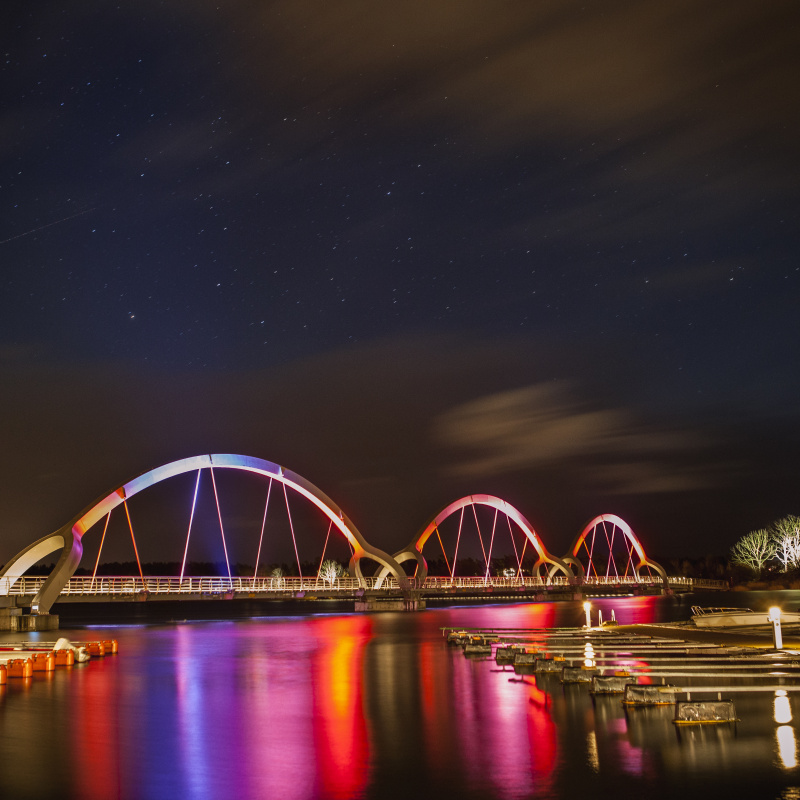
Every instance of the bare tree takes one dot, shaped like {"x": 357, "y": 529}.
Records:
{"x": 754, "y": 550}
{"x": 330, "y": 571}
{"x": 786, "y": 537}
{"x": 277, "y": 579}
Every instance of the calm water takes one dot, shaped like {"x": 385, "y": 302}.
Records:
{"x": 373, "y": 706}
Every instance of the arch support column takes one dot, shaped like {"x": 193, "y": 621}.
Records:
{"x": 69, "y": 542}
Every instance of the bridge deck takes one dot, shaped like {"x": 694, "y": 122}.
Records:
{"x": 129, "y": 588}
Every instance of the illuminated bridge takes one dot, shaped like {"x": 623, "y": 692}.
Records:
{"x": 480, "y": 534}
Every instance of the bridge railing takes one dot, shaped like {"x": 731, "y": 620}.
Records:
{"x": 699, "y": 583}
{"x": 133, "y": 585}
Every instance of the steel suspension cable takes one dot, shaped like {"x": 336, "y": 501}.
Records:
{"x": 610, "y": 543}
{"x": 516, "y": 552}
{"x": 477, "y": 525}
{"x": 522, "y": 557}
{"x": 324, "y": 548}
{"x": 630, "y": 563}
{"x": 491, "y": 544}
{"x": 263, "y": 525}
{"x": 102, "y": 539}
{"x": 191, "y": 519}
{"x": 291, "y": 527}
{"x": 447, "y": 563}
{"x": 133, "y": 539}
{"x": 458, "y": 539}
{"x": 221, "y": 529}
{"x": 591, "y": 552}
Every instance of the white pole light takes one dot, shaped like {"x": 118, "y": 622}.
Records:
{"x": 775, "y": 619}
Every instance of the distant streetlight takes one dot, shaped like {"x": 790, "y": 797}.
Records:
{"x": 775, "y": 619}
{"x": 587, "y": 607}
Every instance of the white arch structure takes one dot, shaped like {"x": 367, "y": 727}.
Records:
{"x": 68, "y": 538}
{"x": 414, "y": 550}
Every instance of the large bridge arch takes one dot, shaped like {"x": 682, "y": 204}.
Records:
{"x": 414, "y": 550}
{"x": 611, "y": 525}
{"x": 68, "y": 538}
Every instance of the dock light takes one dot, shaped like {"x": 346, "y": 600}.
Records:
{"x": 775, "y": 619}
{"x": 587, "y": 607}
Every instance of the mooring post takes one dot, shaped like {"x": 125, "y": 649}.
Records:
{"x": 775, "y": 619}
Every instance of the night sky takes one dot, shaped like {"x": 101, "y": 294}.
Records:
{"x": 409, "y": 250}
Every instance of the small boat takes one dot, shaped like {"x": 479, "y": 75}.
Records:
{"x": 721, "y": 617}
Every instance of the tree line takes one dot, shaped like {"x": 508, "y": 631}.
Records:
{"x": 777, "y": 546}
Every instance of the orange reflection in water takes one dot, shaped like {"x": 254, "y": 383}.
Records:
{"x": 94, "y": 730}
{"x": 437, "y": 726}
{"x": 340, "y": 729}
{"x": 542, "y": 739}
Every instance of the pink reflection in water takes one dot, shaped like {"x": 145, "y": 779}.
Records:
{"x": 503, "y": 729}
{"x": 282, "y": 716}
{"x": 629, "y": 610}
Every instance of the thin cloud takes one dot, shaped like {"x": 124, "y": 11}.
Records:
{"x": 541, "y": 426}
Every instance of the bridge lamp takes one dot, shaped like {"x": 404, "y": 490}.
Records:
{"x": 587, "y": 607}
{"x": 775, "y": 619}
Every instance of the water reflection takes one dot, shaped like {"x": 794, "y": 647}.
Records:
{"x": 340, "y": 728}
{"x": 365, "y": 706}
{"x": 787, "y": 746}
{"x": 783, "y": 709}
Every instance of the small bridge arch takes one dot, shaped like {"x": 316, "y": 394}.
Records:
{"x": 607, "y": 548}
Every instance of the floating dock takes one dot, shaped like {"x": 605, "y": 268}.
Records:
{"x": 23, "y": 659}
{"x": 645, "y": 665}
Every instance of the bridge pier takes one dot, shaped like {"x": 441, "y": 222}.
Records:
{"x": 410, "y": 601}
{"x": 12, "y": 619}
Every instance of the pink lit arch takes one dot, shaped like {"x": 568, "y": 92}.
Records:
{"x": 414, "y": 550}
{"x": 606, "y": 527}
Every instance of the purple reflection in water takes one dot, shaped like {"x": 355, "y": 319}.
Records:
{"x": 274, "y": 710}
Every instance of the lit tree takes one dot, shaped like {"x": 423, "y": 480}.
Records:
{"x": 754, "y": 550}
{"x": 277, "y": 577}
{"x": 786, "y": 538}
{"x": 330, "y": 571}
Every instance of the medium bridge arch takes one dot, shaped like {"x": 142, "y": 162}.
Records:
{"x": 414, "y": 550}
{"x": 68, "y": 538}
